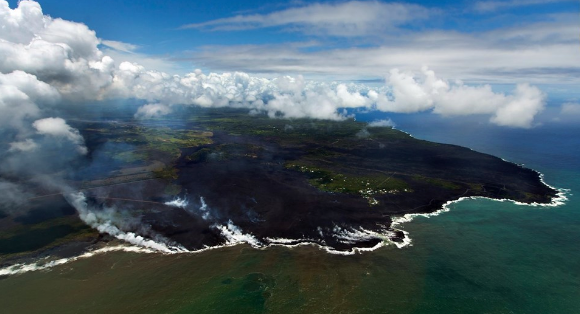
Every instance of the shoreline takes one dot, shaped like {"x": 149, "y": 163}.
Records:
{"x": 386, "y": 238}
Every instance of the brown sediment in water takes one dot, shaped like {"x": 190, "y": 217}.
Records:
{"x": 258, "y": 179}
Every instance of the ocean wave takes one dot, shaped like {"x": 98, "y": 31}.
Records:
{"x": 558, "y": 200}
{"x": 45, "y": 263}
{"x": 233, "y": 235}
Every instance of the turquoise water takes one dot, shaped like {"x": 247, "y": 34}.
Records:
{"x": 483, "y": 256}
{"x": 486, "y": 256}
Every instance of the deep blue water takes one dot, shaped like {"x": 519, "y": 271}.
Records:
{"x": 482, "y": 256}
{"x": 486, "y": 256}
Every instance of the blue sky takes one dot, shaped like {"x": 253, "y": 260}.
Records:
{"x": 509, "y": 63}
{"x": 431, "y": 33}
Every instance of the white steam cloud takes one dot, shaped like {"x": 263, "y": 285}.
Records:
{"x": 234, "y": 235}
{"x": 104, "y": 222}
{"x": 47, "y": 62}
{"x": 178, "y": 202}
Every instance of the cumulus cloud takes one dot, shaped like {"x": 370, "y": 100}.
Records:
{"x": 62, "y": 58}
{"x": 429, "y": 92}
{"x": 152, "y": 111}
{"x": 20, "y": 96}
{"x": 58, "y": 128}
{"x": 519, "y": 110}
{"x": 352, "y": 18}
{"x": 381, "y": 123}
{"x": 48, "y": 61}
{"x": 290, "y": 97}
{"x": 293, "y": 97}
{"x": 61, "y": 53}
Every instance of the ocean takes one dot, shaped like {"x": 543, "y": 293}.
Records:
{"x": 482, "y": 256}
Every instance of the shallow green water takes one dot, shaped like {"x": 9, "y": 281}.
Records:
{"x": 481, "y": 257}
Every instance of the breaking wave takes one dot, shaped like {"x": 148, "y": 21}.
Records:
{"x": 558, "y": 200}
{"x": 234, "y": 235}
{"x": 45, "y": 264}
{"x": 103, "y": 221}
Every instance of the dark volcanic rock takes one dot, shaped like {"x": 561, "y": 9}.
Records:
{"x": 244, "y": 184}
{"x": 259, "y": 180}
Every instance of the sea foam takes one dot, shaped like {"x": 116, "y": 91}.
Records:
{"x": 45, "y": 264}
{"x": 233, "y": 235}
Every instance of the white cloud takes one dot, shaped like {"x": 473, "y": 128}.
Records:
{"x": 352, "y": 18}
{"x": 492, "y": 6}
{"x": 23, "y": 23}
{"x": 120, "y": 46}
{"x": 293, "y": 97}
{"x": 48, "y": 61}
{"x": 53, "y": 58}
{"x": 57, "y": 127}
{"x": 521, "y": 108}
{"x": 61, "y": 53}
{"x": 156, "y": 63}
{"x": 517, "y": 54}
{"x": 23, "y": 146}
{"x": 570, "y": 109}
{"x": 428, "y": 92}
{"x": 19, "y": 95}
{"x": 152, "y": 111}
{"x": 382, "y": 123}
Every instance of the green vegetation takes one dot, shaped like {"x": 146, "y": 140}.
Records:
{"x": 288, "y": 131}
{"x": 367, "y": 185}
{"x": 171, "y": 141}
{"x": 337, "y": 156}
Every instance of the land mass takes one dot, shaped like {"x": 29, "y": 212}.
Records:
{"x": 209, "y": 177}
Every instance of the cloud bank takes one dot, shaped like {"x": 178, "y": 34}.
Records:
{"x": 345, "y": 19}
{"x": 430, "y": 92}
{"x": 49, "y": 62}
